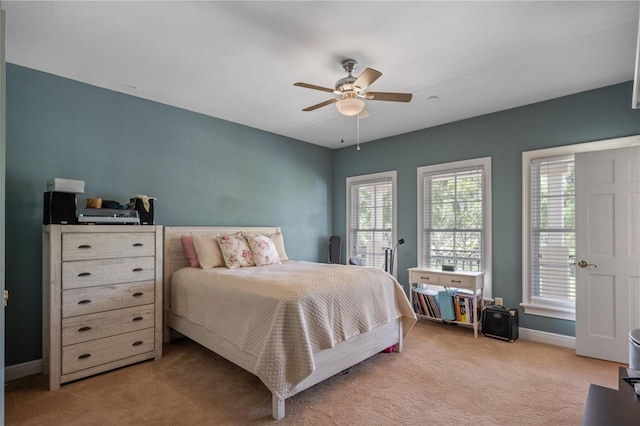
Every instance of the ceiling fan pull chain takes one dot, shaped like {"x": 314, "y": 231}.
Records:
{"x": 341, "y": 128}
{"x": 358, "y": 132}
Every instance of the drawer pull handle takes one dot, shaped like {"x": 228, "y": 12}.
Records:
{"x": 84, "y": 246}
{"x": 84, "y": 302}
{"x": 456, "y": 281}
{"x": 138, "y": 343}
{"x": 81, "y": 329}
{"x": 138, "y": 245}
{"x": 138, "y": 294}
{"x": 83, "y": 356}
{"x": 137, "y": 319}
{"x": 138, "y": 270}
{"x": 425, "y": 278}
{"x": 84, "y": 274}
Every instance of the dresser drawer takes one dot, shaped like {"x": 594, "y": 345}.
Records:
{"x": 457, "y": 281}
{"x": 83, "y": 246}
{"x": 96, "y": 352}
{"x": 88, "y": 273}
{"x": 424, "y": 278}
{"x": 103, "y": 324}
{"x": 85, "y": 301}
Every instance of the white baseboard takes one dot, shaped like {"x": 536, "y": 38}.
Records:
{"x": 549, "y": 338}
{"x": 18, "y": 371}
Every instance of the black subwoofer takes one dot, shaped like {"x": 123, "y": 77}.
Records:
{"x": 500, "y": 323}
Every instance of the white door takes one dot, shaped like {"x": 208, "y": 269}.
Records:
{"x": 607, "y": 252}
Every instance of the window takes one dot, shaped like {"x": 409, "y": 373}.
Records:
{"x": 548, "y": 224}
{"x": 371, "y": 216}
{"x": 552, "y": 273}
{"x": 454, "y": 216}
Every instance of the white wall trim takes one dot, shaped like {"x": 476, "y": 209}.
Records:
{"x": 548, "y": 338}
{"x": 18, "y": 371}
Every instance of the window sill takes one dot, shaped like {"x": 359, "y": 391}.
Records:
{"x": 549, "y": 311}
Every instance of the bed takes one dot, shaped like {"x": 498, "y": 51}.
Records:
{"x": 292, "y": 324}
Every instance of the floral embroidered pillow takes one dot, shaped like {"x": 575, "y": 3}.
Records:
{"x": 264, "y": 251}
{"x": 235, "y": 251}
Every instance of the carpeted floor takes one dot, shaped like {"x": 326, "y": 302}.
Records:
{"x": 444, "y": 377}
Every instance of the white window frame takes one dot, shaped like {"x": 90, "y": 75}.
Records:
{"x": 534, "y": 306}
{"x": 354, "y": 180}
{"x": 485, "y": 162}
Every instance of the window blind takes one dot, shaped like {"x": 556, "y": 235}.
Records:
{"x": 453, "y": 218}
{"x": 552, "y": 229}
{"x": 371, "y": 220}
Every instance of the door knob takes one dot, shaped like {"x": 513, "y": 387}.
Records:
{"x": 584, "y": 264}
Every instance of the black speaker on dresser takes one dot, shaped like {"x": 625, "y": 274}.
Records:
{"x": 500, "y": 323}
{"x": 59, "y": 208}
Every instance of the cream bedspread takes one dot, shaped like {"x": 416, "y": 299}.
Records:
{"x": 284, "y": 314}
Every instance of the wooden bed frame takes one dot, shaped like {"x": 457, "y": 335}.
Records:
{"x": 328, "y": 362}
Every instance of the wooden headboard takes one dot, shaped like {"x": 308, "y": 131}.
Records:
{"x": 175, "y": 257}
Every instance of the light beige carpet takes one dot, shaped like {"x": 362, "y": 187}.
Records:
{"x": 444, "y": 377}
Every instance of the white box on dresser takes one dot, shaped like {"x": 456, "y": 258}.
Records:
{"x": 102, "y": 298}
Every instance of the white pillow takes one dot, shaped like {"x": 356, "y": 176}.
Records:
{"x": 208, "y": 250}
{"x": 264, "y": 251}
{"x": 278, "y": 241}
{"x": 235, "y": 251}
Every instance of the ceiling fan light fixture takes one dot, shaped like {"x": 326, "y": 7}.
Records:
{"x": 350, "y": 106}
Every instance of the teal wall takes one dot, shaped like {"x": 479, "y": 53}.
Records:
{"x": 203, "y": 171}
{"x": 594, "y": 115}
{"x": 206, "y": 171}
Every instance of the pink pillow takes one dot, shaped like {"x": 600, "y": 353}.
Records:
{"x": 190, "y": 250}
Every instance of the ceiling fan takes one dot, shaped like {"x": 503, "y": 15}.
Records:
{"x": 353, "y": 90}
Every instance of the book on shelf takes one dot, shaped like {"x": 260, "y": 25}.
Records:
{"x": 424, "y": 306}
{"x": 416, "y": 304}
{"x": 465, "y": 303}
{"x": 434, "y": 301}
{"x": 462, "y": 309}
{"x": 447, "y": 309}
{"x": 426, "y": 301}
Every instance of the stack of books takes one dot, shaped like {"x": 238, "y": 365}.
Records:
{"x": 448, "y": 305}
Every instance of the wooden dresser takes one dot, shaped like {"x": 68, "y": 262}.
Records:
{"x": 102, "y": 298}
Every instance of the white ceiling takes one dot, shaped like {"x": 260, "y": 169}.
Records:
{"x": 238, "y": 60}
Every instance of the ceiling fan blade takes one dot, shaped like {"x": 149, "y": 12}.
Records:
{"x": 321, "y": 104}
{"x": 364, "y": 113}
{"x": 313, "y": 86}
{"x": 388, "y": 96}
{"x": 367, "y": 78}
